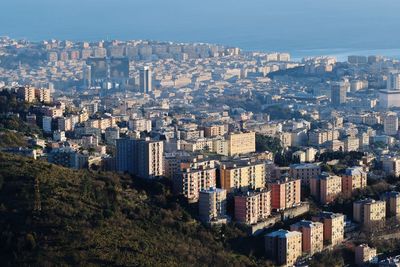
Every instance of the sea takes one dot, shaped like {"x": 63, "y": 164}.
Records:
{"x": 301, "y": 27}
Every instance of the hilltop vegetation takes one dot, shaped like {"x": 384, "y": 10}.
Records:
{"x": 52, "y": 215}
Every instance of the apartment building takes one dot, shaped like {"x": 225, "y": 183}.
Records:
{"x": 214, "y": 130}
{"x": 333, "y": 227}
{"x": 391, "y": 165}
{"x": 354, "y": 178}
{"x": 141, "y": 157}
{"x": 283, "y": 246}
{"x": 31, "y": 94}
{"x": 319, "y": 137}
{"x": 392, "y": 203}
{"x": 241, "y": 143}
{"x": 141, "y": 125}
{"x": 212, "y": 205}
{"x": 312, "y": 235}
{"x": 351, "y": 144}
{"x": 242, "y": 175}
{"x": 364, "y": 254}
{"x": 285, "y": 193}
{"x": 369, "y": 211}
{"x": 305, "y": 172}
{"x": 190, "y": 181}
{"x": 252, "y": 207}
{"x": 326, "y": 187}
{"x": 391, "y": 124}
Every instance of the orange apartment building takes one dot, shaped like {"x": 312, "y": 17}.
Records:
{"x": 285, "y": 193}
{"x": 242, "y": 175}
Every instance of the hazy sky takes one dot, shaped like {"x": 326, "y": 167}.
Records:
{"x": 252, "y": 24}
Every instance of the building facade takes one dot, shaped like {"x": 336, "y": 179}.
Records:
{"x": 242, "y": 175}
{"x": 312, "y": 235}
{"x": 241, "y": 143}
{"x": 283, "y": 246}
{"x": 354, "y": 178}
{"x": 369, "y": 211}
{"x": 333, "y": 227}
{"x": 285, "y": 193}
{"x": 212, "y": 205}
{"x": 326, "y": 187}
{"x": 253, "y": 206}
{"x": 141, "y": 157}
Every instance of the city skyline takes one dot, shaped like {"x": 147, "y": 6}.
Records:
{"x": 339, "y": 28}
{"x": 263, "y": 133}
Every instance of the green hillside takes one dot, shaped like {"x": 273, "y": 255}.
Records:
{"x": 50, "y": 216}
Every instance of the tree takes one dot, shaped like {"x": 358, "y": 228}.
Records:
{"x": 268, "y": 143}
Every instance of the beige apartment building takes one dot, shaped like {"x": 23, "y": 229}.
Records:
{"x": 354, "y": 178}
{"x": 392, "y": 203}
{"x": 253, "y": 206}
{"x": 391, "y": 123}
{"x": 326, "y": 187}
{"x": 369, "y": 211}
{"x": 335, "y": 145}
{"x": 285, "y": 193}
{"x": 333, "y": 227}
{"x": 319, "y": 137}
{"x": 27, "y": 94}
{"x": 391, "y": 165}
{"x": 241, "y": 143}
{"x": 102, "y": 123}
{"x": 305, "y": 172}
{"x": 312, "y": 235}
{"x": 242, "y": 175}
{"x": 351, "y": 144}
{"x": 43, "y": 95}
{"x": 214, "y": 130}
{"x": 364, "y": 254}
{"x": 190, "y": 181}
{"x": 212, "y": 205}
{"x": 31, "y": 94}
{"x": 283, "y": 246}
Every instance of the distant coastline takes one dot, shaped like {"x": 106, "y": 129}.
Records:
{"x": 296, "y": 54}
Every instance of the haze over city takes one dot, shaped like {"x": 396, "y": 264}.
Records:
{"x": 305, "y": 27}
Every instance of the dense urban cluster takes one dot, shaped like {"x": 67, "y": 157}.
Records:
{"x": 304, "y": 152}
